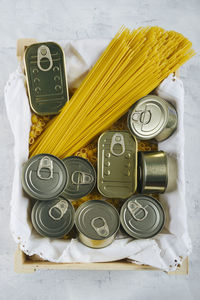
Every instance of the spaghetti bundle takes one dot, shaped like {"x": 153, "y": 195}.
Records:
{"x": 134, "y": 63}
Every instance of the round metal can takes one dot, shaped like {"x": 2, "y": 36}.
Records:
{"x": 152, "y": 118}
{"x": 153, "y": 172}
{"x": 82, "y": 177}
{"x": 53, "y": 218}
{"x": 97, "y": 222}
{"x": 142, "y": 216}
{"x": 44, "y": 177}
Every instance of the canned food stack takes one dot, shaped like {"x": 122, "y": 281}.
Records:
{"x": 123, "y": 173}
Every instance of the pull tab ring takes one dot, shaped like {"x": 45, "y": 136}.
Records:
{"x": 142, "y": 116}
{"x": 117, "y": 139}
{"x": 45, "y": 163}
{"x": 136, "y": 116}
{"x": 82, "y": 178}
{"x": 44, "y": 52}
{"x": 103, "y": 230}
{"x": 135, "y": 208}
{"x": 62, "y": 206}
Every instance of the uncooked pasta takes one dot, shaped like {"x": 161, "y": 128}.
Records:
{"x": 38, "y": 125}
{"x": 133, "y": 65}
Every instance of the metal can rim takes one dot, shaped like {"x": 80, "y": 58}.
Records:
{"x": 136, "y": 164}
{"x": 24, "y": 185}
{"x": 142, "y": 237}
{"x": 35, "y": 225}
{"x": 151, "y": 136}
{"x": 141, "y": 179}
{"x": 66, "y": 81}
{"x": 94, "y": 172}
{"x": 97, "y": 201}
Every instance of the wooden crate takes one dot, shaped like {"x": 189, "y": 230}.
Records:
{"x": 26, "y": 264}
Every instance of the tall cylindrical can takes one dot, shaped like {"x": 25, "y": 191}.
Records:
{"x": 97, "y": 222}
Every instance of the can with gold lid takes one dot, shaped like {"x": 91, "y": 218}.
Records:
{"x": 152, "y": 118}
{"x": 97, "y": 222}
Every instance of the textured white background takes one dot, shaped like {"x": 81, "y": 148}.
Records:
{"x": 78, "y": 19}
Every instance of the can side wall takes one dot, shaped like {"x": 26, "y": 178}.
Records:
{"x": 96, "y": 244}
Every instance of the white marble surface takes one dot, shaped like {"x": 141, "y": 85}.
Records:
{"x": 62, "y": 20}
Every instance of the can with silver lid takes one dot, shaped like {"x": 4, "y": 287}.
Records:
{"x": 97, "y": 222}
{"x": 82, "y": 177}
{"x": 152, "y": 118}
{"x": 44, "y": 177}
{"x": 142, "y": 216}
{"x": 152, "y": 172}
{"x": 46, "y": 77}
{"x": 53, "y": 218}
{"x": 117, "y": 164}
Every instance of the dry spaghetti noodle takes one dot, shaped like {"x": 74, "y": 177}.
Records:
{"x": 133, "y": 64}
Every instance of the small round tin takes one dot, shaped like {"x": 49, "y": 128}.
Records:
{"x": 152, "y": 118}
{"x": 153, "y": 172}
{"x": 82, "y": 177}
{"x": 97, "y": 222}
{"x": 142, "y": 216}
{"x": 53, "y": 218}
{"x": 44, "y": 177}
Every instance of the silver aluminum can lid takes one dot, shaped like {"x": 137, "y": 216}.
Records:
{"x": 97, "y": 219}
{"x": 148, "y": 117}
{"x": 44, "y": 177}
{"x": 142, "y": 216}
{"x": 82, "y": 177}
{"x": 53, "y": 218}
